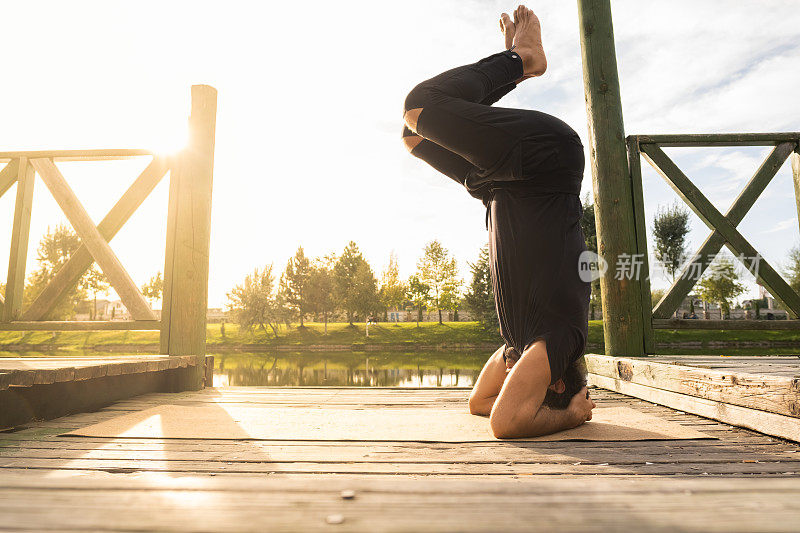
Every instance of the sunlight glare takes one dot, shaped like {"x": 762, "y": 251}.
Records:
{"x": 170, "y": 141}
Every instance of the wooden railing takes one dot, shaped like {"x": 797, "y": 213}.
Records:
{"x": 183, "y": 316}
{"x": 723, "y": 227}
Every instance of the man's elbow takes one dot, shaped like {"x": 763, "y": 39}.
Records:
{"x": 502, "y": 427}
{"x": 481, "y": 406}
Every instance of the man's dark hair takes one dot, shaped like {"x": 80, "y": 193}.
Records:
{"x": 574, "y": 380}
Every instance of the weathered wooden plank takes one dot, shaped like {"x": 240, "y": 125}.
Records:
{"x": 449, "y": 468}
{"x": 681, "y": 323}
{"x": 635, "y": 166}
{"x": 95, "y": 243}
{"x": 613, "y": 198}
{"x": 27, "y": 371}
{"x": 796, "y": 180}
{"x": 246, "y": 453}
{"x": 81, "y": 259}
{"x": 80, "y": 325}
{"x": 77, "y": 155}
{"x": 718, "y": 139}
{"x": 709, "y": 214}
{"x": 8, "y": 176}
{"x": 695, "y": 267}
{"x": 614, "y": 486}
{"x": 15, "y": 281}
{"x": 185, "y": 298}
{"x": 774, "y": 394}
{"x": 482, "y": 509}
{"x": 769, "y": 423}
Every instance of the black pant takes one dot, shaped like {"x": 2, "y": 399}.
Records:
{"x": 526, "y": 166}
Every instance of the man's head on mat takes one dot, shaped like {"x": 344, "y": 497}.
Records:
{"x": 560, "y": 393}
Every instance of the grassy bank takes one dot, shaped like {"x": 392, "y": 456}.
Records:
{"x": 456, "y": 334}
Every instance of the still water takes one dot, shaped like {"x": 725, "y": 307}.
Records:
{"x": 349, "y": 369}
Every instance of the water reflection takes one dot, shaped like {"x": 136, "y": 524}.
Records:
{"x": 348, "y": 369}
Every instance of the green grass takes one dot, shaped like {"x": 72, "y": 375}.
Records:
{"x": 403, "y": 334}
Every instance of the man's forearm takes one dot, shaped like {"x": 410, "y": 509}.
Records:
{"x": 549, "y": 421}
{"x": 544, "y": 422}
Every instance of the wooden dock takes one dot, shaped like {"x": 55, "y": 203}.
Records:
{"x": 744, "y": 481}
{"x": 37, "y": 388}
{"x": 759, "y": 393}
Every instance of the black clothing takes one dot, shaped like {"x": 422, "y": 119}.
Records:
{"x": 527, "y": 167}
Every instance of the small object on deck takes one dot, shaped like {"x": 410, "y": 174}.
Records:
{"x": 348, "y": 494}
{"x": 334, "y": 519}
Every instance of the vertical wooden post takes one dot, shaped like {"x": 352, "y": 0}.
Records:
{"x": 15, "y": 282}
{"x": 616, "y": 235}
{"x": 796, "y": 174}
{"x": 185, "y": 298}
{"x": 635, "y": 166}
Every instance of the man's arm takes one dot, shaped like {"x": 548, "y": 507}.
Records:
{"x": 518, "y": 410}
{"x": 488, "y": 385}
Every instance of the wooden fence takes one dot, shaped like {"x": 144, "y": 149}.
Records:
{"x": 183, "y": 317}
{"x": 723, "y": 227}
{"x": 628, "y": 320}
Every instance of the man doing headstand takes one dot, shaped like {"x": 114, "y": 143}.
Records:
{"x": 526, "y": 167}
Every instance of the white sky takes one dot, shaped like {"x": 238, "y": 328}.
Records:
{"x": 310, "y": 103}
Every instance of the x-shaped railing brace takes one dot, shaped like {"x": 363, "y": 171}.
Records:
{"x": 723, "y": 227}
{"x": 94, "y": 239}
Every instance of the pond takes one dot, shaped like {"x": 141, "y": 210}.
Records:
{"x": 349, "y": 369}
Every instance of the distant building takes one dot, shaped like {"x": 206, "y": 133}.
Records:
{"x": 766, "y": 306}
{"x": 747, "y": 311}
{"x": 216, "y": 314}
{"x": 85, "y": 309}
{"x": 398, "y": 315}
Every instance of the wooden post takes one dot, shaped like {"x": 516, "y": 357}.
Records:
{"x": 796, "y": 174}
{"x": 185, "y": 298}
{"x": 15, "y": 282}
{"x": 635, "y": 165}
{"x": 614, "y": 213}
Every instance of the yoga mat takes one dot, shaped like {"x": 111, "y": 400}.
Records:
{"x": 388, "y": 424}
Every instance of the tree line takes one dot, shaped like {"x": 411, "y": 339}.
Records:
{"x": 345, "y": 286}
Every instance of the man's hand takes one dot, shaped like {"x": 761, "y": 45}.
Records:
{"x": 580, "y": 407}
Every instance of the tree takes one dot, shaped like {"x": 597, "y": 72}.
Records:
{"x": 354, "y": 283}
{"x": 589, "y": 227}
{"x": 655, "y": 296}
{"x": 393, "y": 291}
{"x": 439, "y": 271}
{"x": 480, "y": 295}
{"x": 320, "y": 287}
{"x": 670, "y": 227}
{"x": 95, "y": 282}
{"x": 419, "y": 294}
{"x": 153, "y": 289}
{"x": 294, "y": 284}
{"x": 253, "y": 302}
{"x": 55, "y": 249}
{"x": 793, "y": 269}
{"x": 720, "y": 284}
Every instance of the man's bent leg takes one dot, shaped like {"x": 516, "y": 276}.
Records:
{"x": 446, "y": 110}
{"x": 451, "y": 165}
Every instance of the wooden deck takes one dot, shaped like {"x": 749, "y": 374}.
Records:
{"x": 759, "y": 393}
{"x": 41, "y": 388}
{"x": 742, "y": 482}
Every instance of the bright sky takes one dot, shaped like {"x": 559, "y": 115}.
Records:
{"x": 310, "y": 103}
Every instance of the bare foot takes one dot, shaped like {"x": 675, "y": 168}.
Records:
{"x": 528, "y": 42}
{"x": 508, "y": 29}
